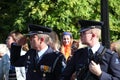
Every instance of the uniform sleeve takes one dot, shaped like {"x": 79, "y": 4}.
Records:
{"x": 114, "y": 69}
{"x": 15, "y": 57}
{"x": 69, "y": 70}
{"x": 60, "y": 65}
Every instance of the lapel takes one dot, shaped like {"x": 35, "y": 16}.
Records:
{"x": 48, "y": 51}
{"x": 100, "y": 50}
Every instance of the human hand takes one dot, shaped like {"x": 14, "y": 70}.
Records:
{"x": 22, "y": 41}
{"x": 95, "y": 68}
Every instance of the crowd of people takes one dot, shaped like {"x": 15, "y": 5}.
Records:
{"x": 41, "y": 55}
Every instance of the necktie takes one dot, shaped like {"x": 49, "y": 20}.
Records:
{"x": 37, "y": 57}
{"x": 90, "y": 55}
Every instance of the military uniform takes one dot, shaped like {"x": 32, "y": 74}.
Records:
{"x": 82, "y": 62}
{"x": 49, "y": 67}
{"x": 109, "y": 65}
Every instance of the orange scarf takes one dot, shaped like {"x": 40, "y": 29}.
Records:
{"x": 66, "y": 50}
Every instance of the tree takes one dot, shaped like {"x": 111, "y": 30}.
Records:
{"x": 60, "y": 15}
{"x": 114, "y": 10}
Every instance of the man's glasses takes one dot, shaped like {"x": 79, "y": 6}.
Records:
{"x": 84, "y": 33}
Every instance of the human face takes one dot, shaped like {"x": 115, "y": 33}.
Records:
{"x": 86, "y": 37}
{"x": 66, "y": 40}
{"x": 112, "y": 46}
{"x": 35, "y": 42}
{"x": 9, "y": 41}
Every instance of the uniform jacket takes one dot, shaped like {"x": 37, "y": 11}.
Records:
{"x": 109, "y": 64}
{"x": 38, "y": 69}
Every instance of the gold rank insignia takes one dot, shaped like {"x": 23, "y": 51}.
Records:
{"x": 45, "y": 68}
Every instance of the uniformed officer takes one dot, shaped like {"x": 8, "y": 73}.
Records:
{"x": 41, "y": 61}
{"x": 94, "y": 62}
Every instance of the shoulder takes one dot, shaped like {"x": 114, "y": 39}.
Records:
{"x": 110, "y": 52}
{"x": 110, "y": 55}
{"x": 6, "y": 56}
{"x": 58, "y": 53}
{"x": 54, "y": 54}
{"x": 31, "y": 51}
{"x": 80, "y": 51}
{"x": 105, "y": 51}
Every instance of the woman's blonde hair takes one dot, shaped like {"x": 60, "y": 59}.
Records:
{"x": 17, "y": 36}
{"x": 54, "y": 41}
{"x": 45, "y": 36}
{"x": 115, "y": 46}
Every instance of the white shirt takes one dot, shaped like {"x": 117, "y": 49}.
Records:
{"x": 41, "y": 52}
{"x": 95, "y": 48}
{"x": 20, "y": 71}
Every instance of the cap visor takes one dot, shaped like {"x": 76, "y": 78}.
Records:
{"x": 30, "y": 34}
{"x": 84, "y": 29}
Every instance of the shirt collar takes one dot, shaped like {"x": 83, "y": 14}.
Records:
{"x": 41, "y": 52}
{"x": 95, "y": 48}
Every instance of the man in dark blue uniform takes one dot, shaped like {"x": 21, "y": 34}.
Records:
{"x": 94, "y": 62}
{"x": 41, "y": 61}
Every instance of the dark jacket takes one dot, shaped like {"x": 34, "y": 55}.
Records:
{"x": 48, "y": 67}
{"x": 109, "y": 65}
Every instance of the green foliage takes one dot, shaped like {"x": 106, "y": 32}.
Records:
{"x": 60, "y": 15}
{"x": 114, "y": 19}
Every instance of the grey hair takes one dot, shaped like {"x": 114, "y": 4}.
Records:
{"x": 3, "y": 48}
{"x": 45, "y": 36}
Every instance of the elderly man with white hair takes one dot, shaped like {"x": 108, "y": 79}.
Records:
{"x": 4, "y": 62}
